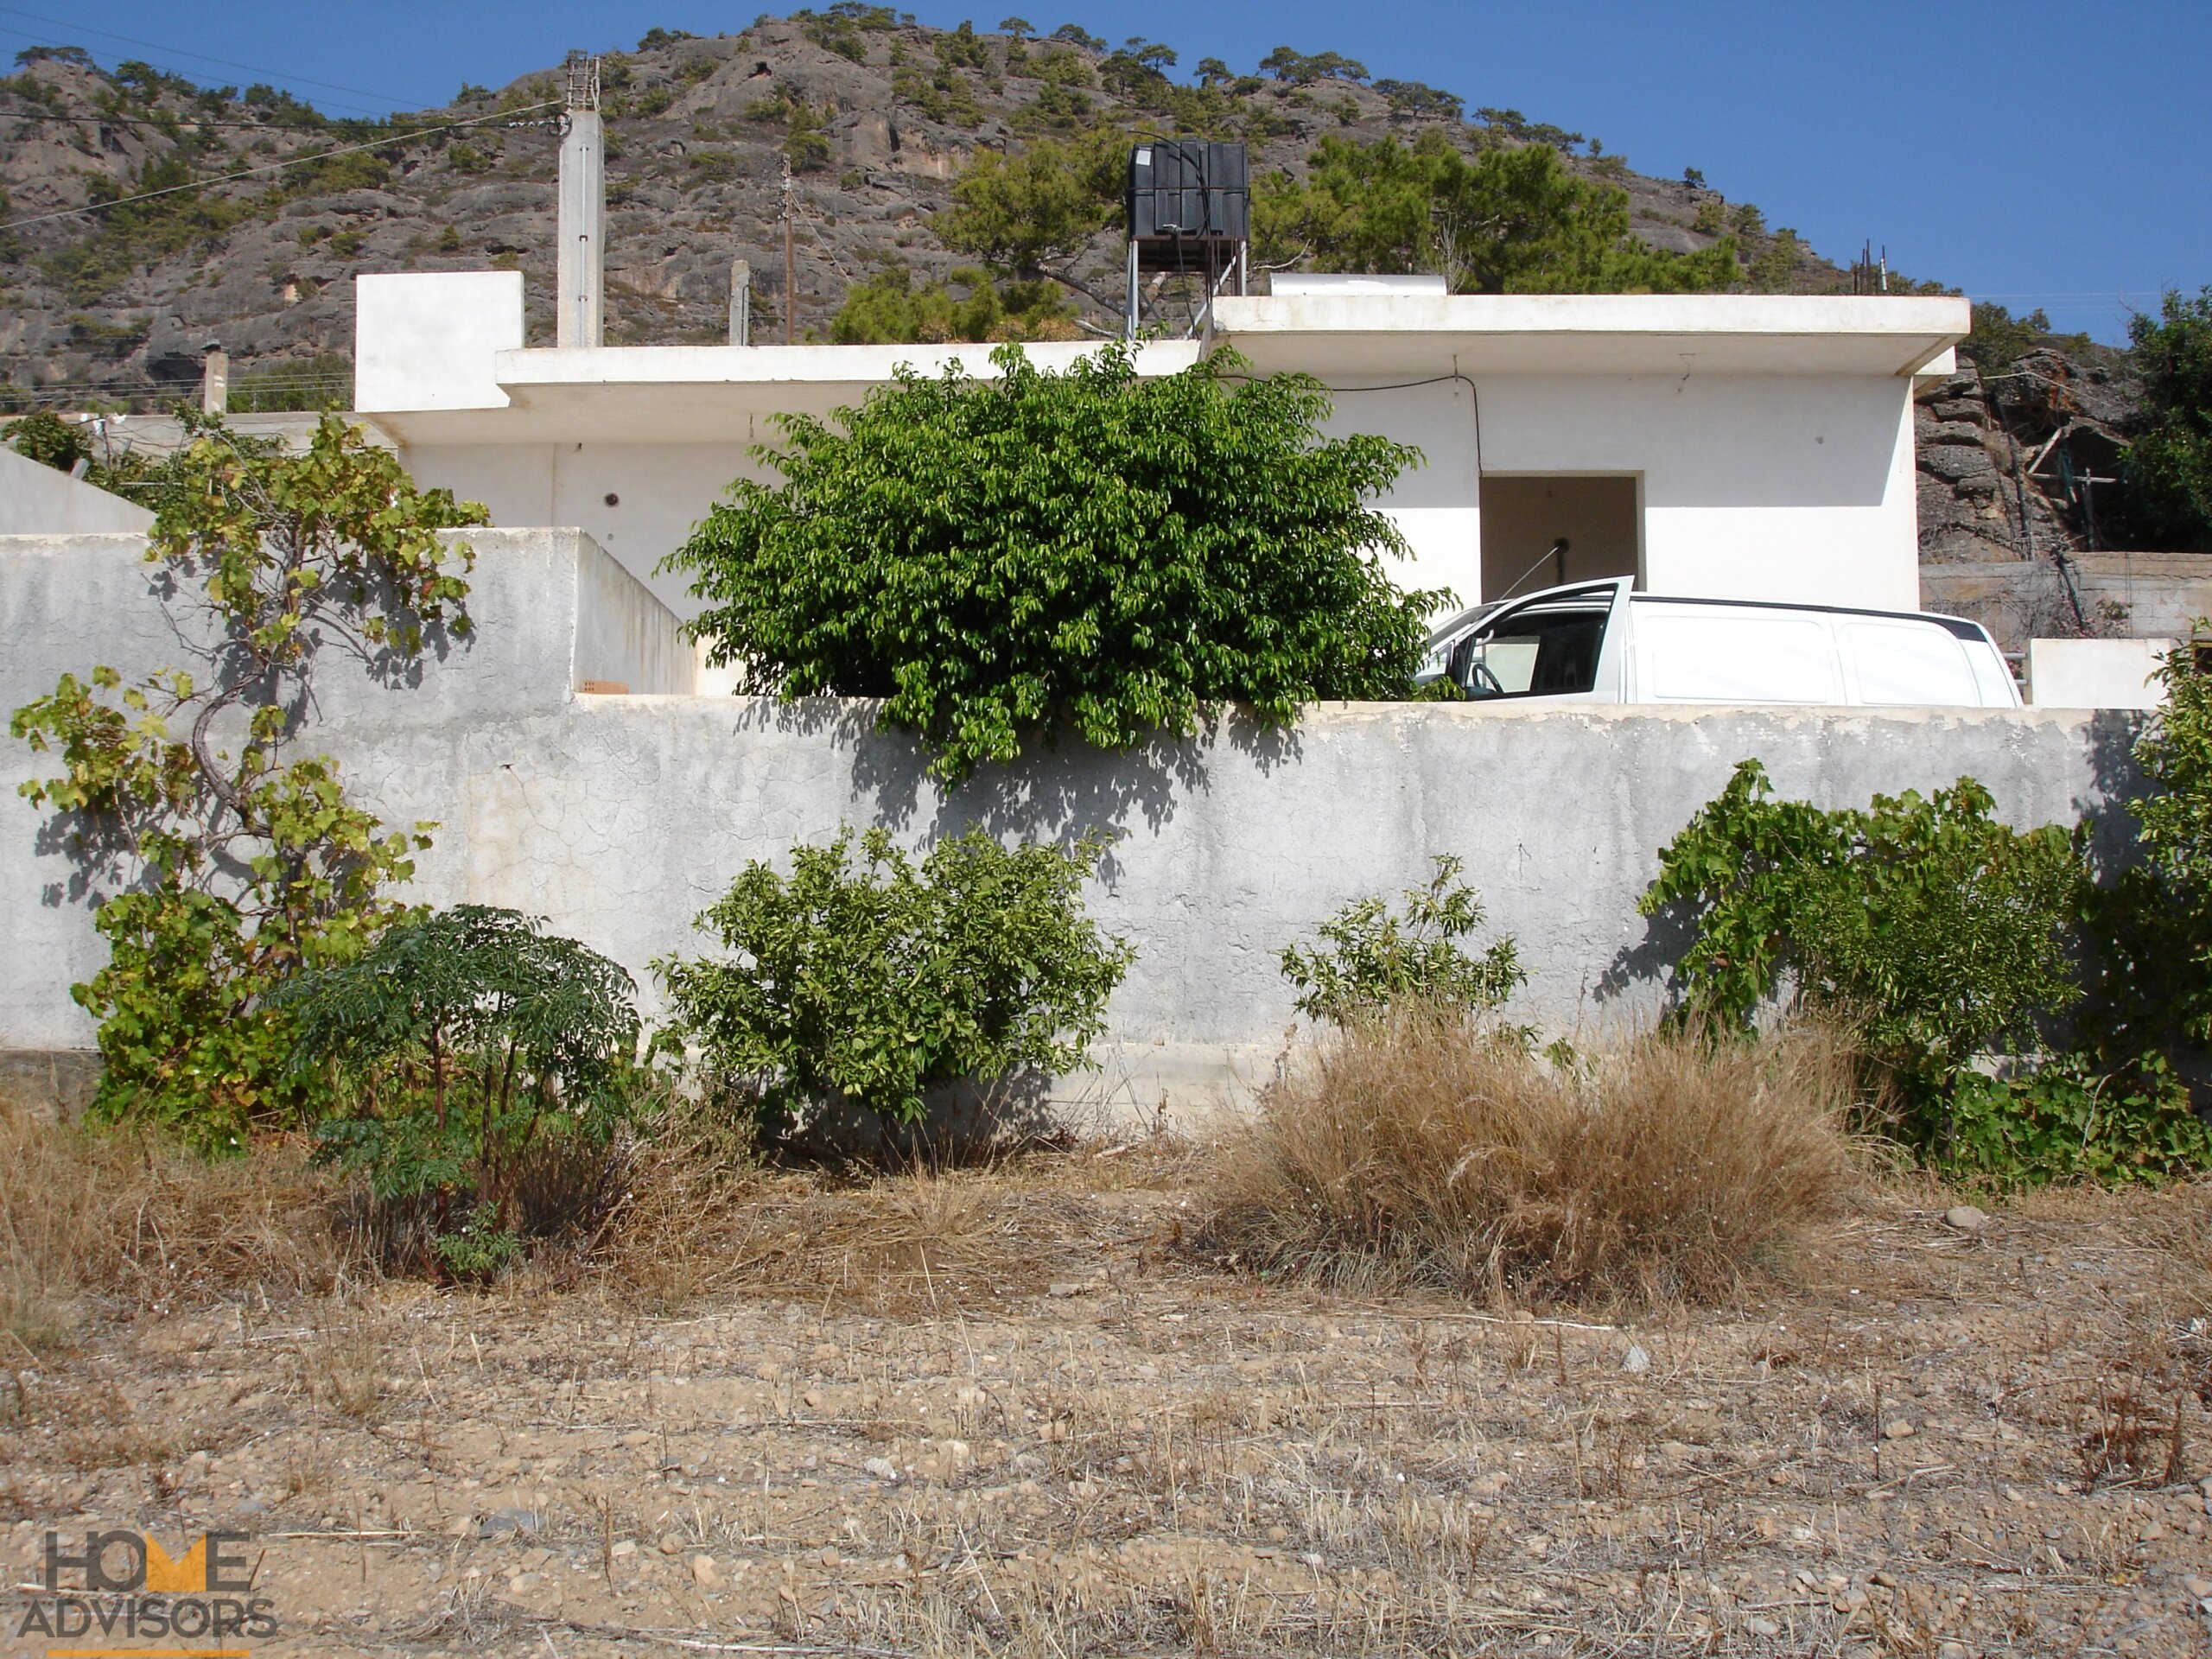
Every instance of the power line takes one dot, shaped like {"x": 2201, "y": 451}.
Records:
{"x": 201, "y": 57}
{"x": 341, "y": 109}
{"x": 273, "y": 166}
{"x": 101, "y": 117}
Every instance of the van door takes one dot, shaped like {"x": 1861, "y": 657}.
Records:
{"x": 1563, "y": 646}
{"x": 1727, "y": 652}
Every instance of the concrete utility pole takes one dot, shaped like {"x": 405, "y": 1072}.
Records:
{"x": 791, "y": 262}
{"x": 579, "y": 273}
{"x": 215, "y": 378}
{"x": 740, "y": 303}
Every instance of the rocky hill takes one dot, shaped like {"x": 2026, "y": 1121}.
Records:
{"x": 878, "y": 116}
{"x": 266, "y": 210}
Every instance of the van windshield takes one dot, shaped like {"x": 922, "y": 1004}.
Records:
{"x": 1541, "y": 650}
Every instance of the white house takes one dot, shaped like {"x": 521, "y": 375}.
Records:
{"x": 1739, "y": 446}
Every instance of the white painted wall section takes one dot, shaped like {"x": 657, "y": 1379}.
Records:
{"x": 2095, "y": 673}
{"x": 429, "y": 340}
{"x": 36, "y": 499}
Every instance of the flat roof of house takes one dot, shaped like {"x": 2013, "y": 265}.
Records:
{"x": 703, "y": 394}
{"x": 439, "y": 357}
{"x": 1333, "y": 334}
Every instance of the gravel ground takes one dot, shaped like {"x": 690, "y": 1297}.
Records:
{"x": 1019, "y": 1414}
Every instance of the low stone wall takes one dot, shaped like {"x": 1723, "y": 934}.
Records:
{"x": 619, "y": 817}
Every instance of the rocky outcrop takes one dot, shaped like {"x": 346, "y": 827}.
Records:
{"x": 2012, "y": 463}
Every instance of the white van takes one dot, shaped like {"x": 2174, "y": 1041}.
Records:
{"x": 1601, "y": 642}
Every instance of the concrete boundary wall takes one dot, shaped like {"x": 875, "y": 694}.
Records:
{"x": 619, "y": 817}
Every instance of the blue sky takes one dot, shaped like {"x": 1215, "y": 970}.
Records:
{"x": 2030, "y": 152}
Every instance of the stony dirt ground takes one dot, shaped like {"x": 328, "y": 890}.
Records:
{"x": 1020, "y": 1412}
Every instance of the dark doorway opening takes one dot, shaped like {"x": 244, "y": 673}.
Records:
{"x": 1526, "y": 517}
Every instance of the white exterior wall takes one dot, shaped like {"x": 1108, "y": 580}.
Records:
{"x": 660, "y": 491}
{"x": 1753, "y": 486}
{"x": 36, "y": 499}
{"x": 430, "y": 340}
{"x": 1771, "y": 438}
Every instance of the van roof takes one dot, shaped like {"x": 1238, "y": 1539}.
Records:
{"x": 1957, "y": 625}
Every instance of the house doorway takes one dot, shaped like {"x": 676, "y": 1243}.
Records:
{"x": 1526, "y": 516}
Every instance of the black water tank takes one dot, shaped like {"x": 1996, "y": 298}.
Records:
{"x": 1188, "y": 189}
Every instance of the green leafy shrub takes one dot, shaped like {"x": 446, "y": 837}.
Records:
{"x": 461, "y": 1045}
{"x": 2169, "y": 466}
{"x": 2152, "y": 928}
{"x": 1114, "y": 553}
{"x": 186, "y": 1026}
{"x": 1371, "y": 960}
{"x": 240, "y": 866}
{"x": 1939, "y": 930}
{"x": 875, "y": 982}
{"x": 45, "y": 437}
{"x": 1940, "y": 935}
{"x": 2067, "y": 1120}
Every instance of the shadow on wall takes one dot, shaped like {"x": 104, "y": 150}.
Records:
{"x": 103, "y": 851}
{"x": 1057, "y": 792}
{"x": 2113, "y": 841}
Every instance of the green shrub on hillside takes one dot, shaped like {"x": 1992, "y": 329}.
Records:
{"x": 1509, "y": 221}
{"x": 888, "y": 309}
{"x": 2169, "y": 466}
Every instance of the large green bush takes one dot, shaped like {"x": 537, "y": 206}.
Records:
{"x": 1098, "y": 549}
{"x": 874, "y": 982}
{"x": 1937, "y": 930}
{"x": 1952, "y": 944}
{"x": 2152, "y": 930}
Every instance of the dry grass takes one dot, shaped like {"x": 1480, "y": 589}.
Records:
{"x": 699, "y": 1221}
{"x": 1420, "y": 1153}
{"x": 129, "y": 1223}
{"x": 2184, "y": 1232}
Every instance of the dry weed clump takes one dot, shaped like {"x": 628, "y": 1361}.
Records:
{"x": 1419, "y": 1152}
{"x": 127, "y": 1221}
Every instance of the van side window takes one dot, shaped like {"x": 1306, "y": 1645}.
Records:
{"x": 1537, "y": 651}
{"x": 1908, "y": 663}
